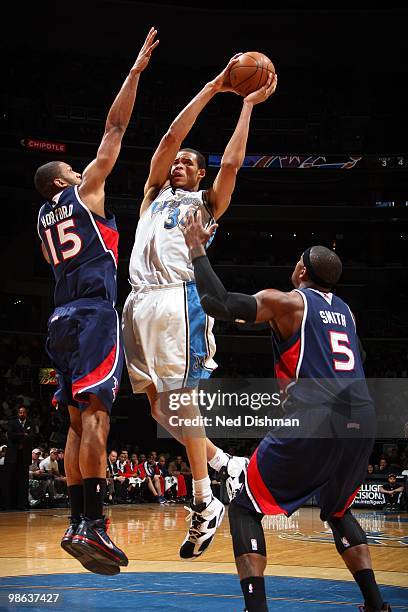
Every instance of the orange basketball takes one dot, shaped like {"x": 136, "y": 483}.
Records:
{"x": 250, "y": 72}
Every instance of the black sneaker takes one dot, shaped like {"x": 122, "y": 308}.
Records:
{"x": 69, "y": 534}
{"x": 92, "y": 565}
{"x": 204, "y": 520}
{"x": 91, "y": 538}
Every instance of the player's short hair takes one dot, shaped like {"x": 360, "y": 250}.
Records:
{"x": 44, "y": 179}
{"x": 326, "y": 264}
{"x": 202, "y": 164}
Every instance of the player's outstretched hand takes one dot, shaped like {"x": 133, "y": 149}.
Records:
{"x": 195, "y": 234}
{"x": 263, "y": 93}
{"x": 222, "y": 82}
{"x": 145, "y": 52}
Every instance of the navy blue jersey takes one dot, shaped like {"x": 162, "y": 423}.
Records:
{"x": 325, "y": 348}
{"x": 82, "y": 247}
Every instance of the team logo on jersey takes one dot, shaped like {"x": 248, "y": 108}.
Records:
{"x": 115, "y": 387}
{"x": 199, "y": 362}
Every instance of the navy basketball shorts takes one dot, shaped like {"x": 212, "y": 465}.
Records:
{"x": 284, "y": 473}
{"x": 85, "y": 347}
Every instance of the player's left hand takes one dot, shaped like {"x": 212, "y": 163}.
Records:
{"x": 195, "y": 234}
{"x": 263, "y": 93}
{"x": 145, "y": 52}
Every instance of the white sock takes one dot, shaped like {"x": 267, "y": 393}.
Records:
{"x": 219, "y": 460}
{"x": 202, "y": 490}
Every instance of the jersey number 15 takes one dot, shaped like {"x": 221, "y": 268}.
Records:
{"x": 64, "y": 237}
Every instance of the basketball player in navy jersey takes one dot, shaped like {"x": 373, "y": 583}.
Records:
{"x": 318, "y": 364}
{"x": 167, "y": 337}
{"x": 80, "y": 241}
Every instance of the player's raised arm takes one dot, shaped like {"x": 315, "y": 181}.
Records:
{"x": 93, "y": 179}
{"x": 219, "y": 195}
{"x": 171, "y": 142}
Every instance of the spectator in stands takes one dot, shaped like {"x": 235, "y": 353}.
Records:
{"x": 393, "y": 493}
{"x": 370, "y": 471}
{"x": 179, "y": 466}
{"x": 41, "y": 487}
{"x": 18, "y": 458}
{"x": 170, "y": 482}
{"x": 116, "y": 483}
{"x": 150, "y": 472}
{"x": 136, "y": 481}
{"x": 383, "y": 468}
{"x": 50, "y": 466}
{"x": 123, "y": 458}
{"x": 60, "y": 461}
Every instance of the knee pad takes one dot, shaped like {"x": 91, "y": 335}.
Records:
{"x": 246, "y": 530}
{"x": 347, "y": 532}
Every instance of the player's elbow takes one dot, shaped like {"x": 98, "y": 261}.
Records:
{"x": 215, "y": 308}
{"x": 170, "y": 137}
{"x": 231, "y": 165}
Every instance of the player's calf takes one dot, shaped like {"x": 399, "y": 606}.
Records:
{"x": 250, "y": 554}
{"x": 351, "y": 543}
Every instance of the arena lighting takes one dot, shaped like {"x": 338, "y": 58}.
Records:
{"x": 48, "y": 146}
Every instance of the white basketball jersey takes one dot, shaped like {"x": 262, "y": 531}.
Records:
{"x": 160, "y": 255}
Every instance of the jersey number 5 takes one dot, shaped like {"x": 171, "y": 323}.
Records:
{"x": 63, "y": 238}
{"x": 340, "y": 344}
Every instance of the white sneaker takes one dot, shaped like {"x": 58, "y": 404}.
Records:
{"x": 205, "y": 518}
{"x": 234, "y": 472}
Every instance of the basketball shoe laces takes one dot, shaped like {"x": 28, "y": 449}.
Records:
{"x": 196, "y": 521}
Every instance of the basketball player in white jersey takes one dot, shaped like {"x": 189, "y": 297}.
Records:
{"x": 168, "y": 338}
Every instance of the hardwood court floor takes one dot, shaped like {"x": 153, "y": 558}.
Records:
{"x": 299, "y": 546}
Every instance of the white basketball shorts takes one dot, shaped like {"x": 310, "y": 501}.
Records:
{"x": 167, "y": 336}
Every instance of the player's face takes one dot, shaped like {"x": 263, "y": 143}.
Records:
{"x": 69, "y": 175}
{"x": 185, "y": 173}
{"x": 298, "y": 273}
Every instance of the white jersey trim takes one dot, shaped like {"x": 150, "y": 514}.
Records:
{"x": 251, "y": 497}
{"x": 352, "y": 317}
{"x": 326, "y": 296}
{"x": 302, "y": 333}
{"x": 38, "y": 222}
{"x": 111, "y": 253}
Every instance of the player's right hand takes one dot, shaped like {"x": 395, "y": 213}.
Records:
{"x": 263, "y": 93}
{"x": 145, "y": 52}
{"x": 222, "y": 82}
